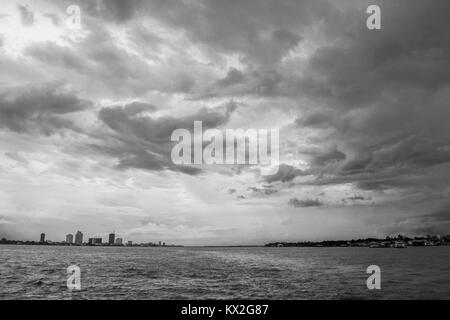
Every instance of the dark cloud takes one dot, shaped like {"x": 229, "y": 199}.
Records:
{"x": 356, "y": 198}
{"x": 233, "y": 76}
{"x": 38, "y": 109}
{"x": 285, "y": 173}
{"x": 387, "y": 163}
{"x": 287, "y": 38}
{"x": 132, "y": 152}
{"x": 268, "y": 83}
{"x": 294, "y": 202}
{"x": 136, "y": 108}
{"x": 319, "y": 120}
{"x": 358, "y": 164}
{"x": 380, "y": 97}
{"x": 160, "y": 129}
{"x": 120, "y": 11}
{"x": 232, "y": 26}
{"x": 143, "y": 142}
{"x": 153, "y": 162}
{"x": 265, "y": 191}
{"x": 321, "y": 156}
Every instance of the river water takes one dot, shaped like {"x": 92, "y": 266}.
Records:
{"x": 39, "y": 272}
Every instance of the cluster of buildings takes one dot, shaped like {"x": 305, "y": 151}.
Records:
{"x": 77, "y": 240}
{"x": 112, "y": 240}
{"x": 403, "y": 242}
{"x": 389, "y": 242}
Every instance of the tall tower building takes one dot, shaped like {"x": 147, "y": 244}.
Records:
{"x": 42, "y": 240}
{"x": 111, "y": 239}
{"x": 79, "y": 238}
{"x": 69, "y": 238}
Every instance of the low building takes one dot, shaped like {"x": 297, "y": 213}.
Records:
{"x": 95, "y": 241}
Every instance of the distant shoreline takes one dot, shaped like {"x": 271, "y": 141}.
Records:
{"x": 388, "y": 242}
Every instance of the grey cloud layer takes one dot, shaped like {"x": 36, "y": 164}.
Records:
{"x": 365, "y": 87}
{"x": 375, "y": 104}
{"x": 38, "y": 109}
{"x": 141, "y": 141}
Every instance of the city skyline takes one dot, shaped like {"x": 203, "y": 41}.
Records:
{"x": 80, "y": 238}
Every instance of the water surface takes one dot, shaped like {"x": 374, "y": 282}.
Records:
{"x": 39, "y": 272}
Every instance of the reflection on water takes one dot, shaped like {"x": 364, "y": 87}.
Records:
{"x": 39, "y": 272}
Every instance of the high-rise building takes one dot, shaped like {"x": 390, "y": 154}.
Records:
{"x": 42, "y": 240}
{"x": 111, "y": 239}
{"x": 119, "y": 241}
{"x": 79, "y": 238}
{"x": 69, "y": 238}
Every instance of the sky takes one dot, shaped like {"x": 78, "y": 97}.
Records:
{"x": 86, "y": 116}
